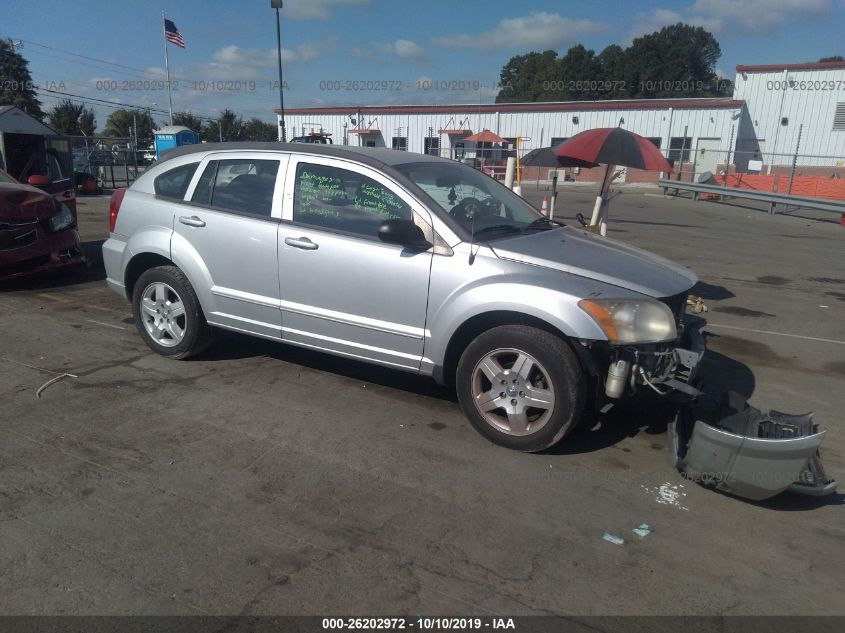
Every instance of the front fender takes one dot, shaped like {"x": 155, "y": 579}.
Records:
{"x": 493, "y": 285}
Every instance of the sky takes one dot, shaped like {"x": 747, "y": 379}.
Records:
{"x": 357, "y": 52}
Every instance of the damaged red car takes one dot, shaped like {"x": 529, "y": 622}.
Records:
{"x": 37, "y": 232}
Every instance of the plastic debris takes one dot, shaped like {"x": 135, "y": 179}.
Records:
{"x": 643, "y": 530}
{"x": 172, "y": 461}
{"x": 52, "y": 381}
{"x": 612, "y": 538}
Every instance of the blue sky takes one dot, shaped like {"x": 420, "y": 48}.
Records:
{"x": 438, "y": 51}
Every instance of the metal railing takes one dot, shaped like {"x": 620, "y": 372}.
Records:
{"x": 773, "y": 199}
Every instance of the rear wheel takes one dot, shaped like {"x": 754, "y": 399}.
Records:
{"x": 168, "y": 314}
{"x": 521, "y": 387}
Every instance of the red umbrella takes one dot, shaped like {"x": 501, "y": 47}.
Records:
{"x": 612, "y": 146}
{"x": 615, "y": 146}
{"x": 485, "y": 136}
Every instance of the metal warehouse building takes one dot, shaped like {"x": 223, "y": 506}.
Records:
{"x": 776, "y": 112}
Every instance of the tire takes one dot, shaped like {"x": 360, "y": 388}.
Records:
{"x": 538, "y": 374}
{"x": 157, "y": 297}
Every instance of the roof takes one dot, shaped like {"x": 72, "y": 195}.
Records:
{"x": 13, "y": 120}
{"x": 174, "y": 129}
{"x": 550, "y": 106}
{"x": 374, "y": 156}
{"x": 767, "y": 68}
{"x": 485, "y": 136}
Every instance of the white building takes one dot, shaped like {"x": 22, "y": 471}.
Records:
{"x": 759, "y": 123}
{"x": 781, "y": 100}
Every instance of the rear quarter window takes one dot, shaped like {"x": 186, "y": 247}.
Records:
{"x": 174, "y": 182}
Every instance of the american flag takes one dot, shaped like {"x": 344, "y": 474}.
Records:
{"x": 172, "y": 34}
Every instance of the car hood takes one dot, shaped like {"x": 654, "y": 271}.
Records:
{"x": 579, "y": 253}
{"x": 20, "y": 203}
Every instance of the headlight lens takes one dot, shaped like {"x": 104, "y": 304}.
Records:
{"x": 626, "y": 321}
{"x": 62, "y": 220}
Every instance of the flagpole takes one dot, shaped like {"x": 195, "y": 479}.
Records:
{"x": 167, "y": 66}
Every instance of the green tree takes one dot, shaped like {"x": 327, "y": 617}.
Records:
{"x": 518, "y": 79}
{"x": 67, "y": 117}
{"x": 231, "y": 127}
{"x": 123, "y": 122}
{"x": 676, "y": 61}
{"x": 189, "y": 120}
{"x": 16, "y": 85}
{"x": 257, "y": 130}
{"x": 87, "y": 122}
{"x": 833, "y": 58}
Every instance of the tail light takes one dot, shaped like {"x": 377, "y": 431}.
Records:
{"x": 114, "y": 207}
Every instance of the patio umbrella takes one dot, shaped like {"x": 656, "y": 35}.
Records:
{"x": 485, "y": 136}
{"x": 546, "y": 157}
{"x": 612, "y": 146}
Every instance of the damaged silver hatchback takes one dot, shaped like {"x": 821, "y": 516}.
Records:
{"x": 413, "y": 262}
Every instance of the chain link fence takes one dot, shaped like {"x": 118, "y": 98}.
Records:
{"x": 111, "y": 161}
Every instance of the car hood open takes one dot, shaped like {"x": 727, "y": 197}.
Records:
{"x": 579, "y": 253}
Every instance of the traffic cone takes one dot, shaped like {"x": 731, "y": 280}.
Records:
{"x": 545, "y": 208}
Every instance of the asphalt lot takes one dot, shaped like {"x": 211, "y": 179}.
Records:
{"x": 262, "y": 479}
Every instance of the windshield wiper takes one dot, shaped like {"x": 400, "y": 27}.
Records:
{"x": 507, "y": 228}
{"x": 542, "y": 223}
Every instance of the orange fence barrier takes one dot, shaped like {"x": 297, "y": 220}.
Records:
{"x": 814, "y": 186}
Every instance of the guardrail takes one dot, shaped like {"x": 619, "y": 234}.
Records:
{"x": 820, "y": 204}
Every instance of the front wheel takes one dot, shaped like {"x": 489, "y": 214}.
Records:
{"x": 168, "y": 314}
{"x": 521, "y": 387}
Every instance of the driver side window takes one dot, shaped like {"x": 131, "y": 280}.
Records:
{"x": 342, "y": 200}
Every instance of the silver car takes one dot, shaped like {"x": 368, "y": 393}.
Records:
{"x": 410, "y": 261}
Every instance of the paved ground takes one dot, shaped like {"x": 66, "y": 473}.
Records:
{"x": 261, "y": 479}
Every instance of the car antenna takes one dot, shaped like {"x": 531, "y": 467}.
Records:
{"x": 472, "y": 242}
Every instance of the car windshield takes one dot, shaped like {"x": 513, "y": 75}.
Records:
{"x": 481, "y": 205}
{"x": 4, "y": 178}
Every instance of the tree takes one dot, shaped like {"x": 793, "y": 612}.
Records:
{"x": 833, "y": 58}
{"x": 518, "y": 79}
{"x": 677, "y": 61}
{"x": 231, "y": 126}
{"x": 257, "y": 130}
{"x": 87, "y": 122}
{"x": 67, "y": 117}
{"x": 17, "y": 87}
{"x": 189, "y": 120}
{"x": 123, "y": 123}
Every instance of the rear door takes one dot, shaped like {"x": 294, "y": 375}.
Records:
{"x": 227, "y": 230}
{"x": 342, "y": 289}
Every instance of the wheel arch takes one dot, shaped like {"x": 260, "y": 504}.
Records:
{"x": 479, "y": 323}
{"x": 138, "y": 265}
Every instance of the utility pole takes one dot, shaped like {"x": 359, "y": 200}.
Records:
{"x": 277, "y": 4}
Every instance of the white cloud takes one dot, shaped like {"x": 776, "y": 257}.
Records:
{"x": 315, "y": 9}
{"x": 407, "y": 50}
{"x": 538, "y": 30}
{"x": 760, "y": 16}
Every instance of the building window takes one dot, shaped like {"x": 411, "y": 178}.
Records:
{"x": 557, "y": 140}
{"x": 656, "y": 141}
{"x": 400, "y": 143}
{"x": 679, "y": 148}
{"x": 839, "y": 117}
{"x": 431, "y": 145}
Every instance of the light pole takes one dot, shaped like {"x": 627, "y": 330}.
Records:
{"x": 277, "y": 4}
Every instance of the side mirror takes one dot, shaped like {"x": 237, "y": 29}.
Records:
{"x": 39, "y": 181}
{"x": 404, "y": 233}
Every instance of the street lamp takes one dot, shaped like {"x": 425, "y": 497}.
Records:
{"x": 277, "y": 4}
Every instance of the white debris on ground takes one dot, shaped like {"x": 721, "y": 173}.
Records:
{"x": 668, "y": 494}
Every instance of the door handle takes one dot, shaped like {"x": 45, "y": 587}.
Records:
{"x": 191, "y": 221}
{"x": 301, "y": 242}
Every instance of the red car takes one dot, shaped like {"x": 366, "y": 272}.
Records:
{"x": 37, "y": 232}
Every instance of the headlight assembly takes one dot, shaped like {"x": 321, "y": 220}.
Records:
{"x": 62, "y": 220}
{"x": 628, "y": 321}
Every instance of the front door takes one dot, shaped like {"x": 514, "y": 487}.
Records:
{"x": 229, "y": 227}
{"x": 708, "y": 156}
{"x": 341, "y": 288}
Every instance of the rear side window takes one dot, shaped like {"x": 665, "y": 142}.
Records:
{"x": 202, "y": 192}
{"x": 242, "y": 185}
{"x": 343, "y": 200}
{"x": 174, "y": 182}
